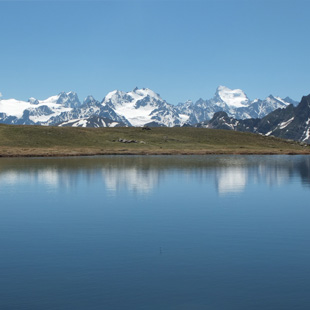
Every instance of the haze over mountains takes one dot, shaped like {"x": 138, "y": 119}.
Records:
{"x": 135, "y": 108}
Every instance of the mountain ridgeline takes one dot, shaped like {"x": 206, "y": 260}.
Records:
{"x": 288, "y": 123}
{"x": 135, "y": 108}
{"x": 228, "y": 109}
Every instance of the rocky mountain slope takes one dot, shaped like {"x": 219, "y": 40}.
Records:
{"x": 234, "y": 102}
{"x": 289, "y": 123}
{"x": 143, "y": 106}
{"x": 93, "y": 122}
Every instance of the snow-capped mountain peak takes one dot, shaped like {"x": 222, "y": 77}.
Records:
{"x": 232, "y": 97}
{"x": 291, "y": 101}
{"x": 234, "y": 102}
{"x": 281, "y": 100}
{"x": 142, "y": 106}
{"x": 33, "y": 100}
{"x": 144, "y": 92}
{"x": 69, "y": 100}
{"x": 273, "y": 99}
{"x": 88, "y": 100}
{"x": 114, "y": 96}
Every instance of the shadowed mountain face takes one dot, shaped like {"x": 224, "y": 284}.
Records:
{"x": 289, "y": 123}
{"x": 93, "y": 122}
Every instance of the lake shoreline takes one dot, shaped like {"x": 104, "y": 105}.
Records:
{"x": 38, "y": 141}
{"x": 81, "y": 153}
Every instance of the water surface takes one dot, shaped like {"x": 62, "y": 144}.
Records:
{"x": 155, "y": 232}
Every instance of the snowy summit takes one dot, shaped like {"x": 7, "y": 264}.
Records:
{"x": 232, "y": 97}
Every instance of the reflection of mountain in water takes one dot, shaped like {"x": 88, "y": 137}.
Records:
{"x": 46, "y": 176}
{"x": 131, "y": 178}
{"x": 142, "y": 174}
{"x": 231, "y": 180}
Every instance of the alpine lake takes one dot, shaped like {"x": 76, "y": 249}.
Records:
{"x": 155, "y": 232}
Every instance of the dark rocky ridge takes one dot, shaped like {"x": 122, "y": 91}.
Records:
{"x": 288, "y": 123}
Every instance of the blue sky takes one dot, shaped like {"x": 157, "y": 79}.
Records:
{"x": 180, "y": 49}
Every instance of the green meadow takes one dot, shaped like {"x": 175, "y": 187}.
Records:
{"x": 67, "y": 141}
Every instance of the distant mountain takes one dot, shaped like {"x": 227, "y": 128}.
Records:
{"x": 234, "y": 102}
{"x": 142, "y": 106}
{"x": 55, "y": 110}
{"x": 135, "y": 108}
{"x": 221, "y": 120}
{"x": 288, "y": 123}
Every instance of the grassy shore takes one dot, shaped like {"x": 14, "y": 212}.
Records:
{"x": 18, "y": 141}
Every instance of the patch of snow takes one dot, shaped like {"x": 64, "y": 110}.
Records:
{"x": 281, "y": 100}
{"x": 184, "y": 117}
{"x": 68, "y": 122}
{"x": 307, "y": 134}
{"x": 80, "y": 123}
{"x": 44, "y": 118}
{"x": 50, "y": 100}
{"x": 103, "y": 123}
{"x": 284, "y": 124}
{"x": 113, "y": 124}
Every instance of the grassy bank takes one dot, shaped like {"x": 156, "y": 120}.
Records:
{"x": 67, "y": 141}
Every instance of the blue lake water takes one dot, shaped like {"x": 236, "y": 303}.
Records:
{"x": 155, "y": 232}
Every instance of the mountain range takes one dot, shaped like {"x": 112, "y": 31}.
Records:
{"x": 138, "y": 107}
{"x": 292, "y": 122}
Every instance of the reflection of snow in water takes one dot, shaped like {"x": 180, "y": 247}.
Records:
{"x": 10, "y": 178}
{"x": 231, "y": 180}
{"x": 133, "y": 179}
{"x": 48, "y": 177}
{"x": 273, "y": 175}
{"x": 230, "y": 176}
{"x": 115, "y": 179}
